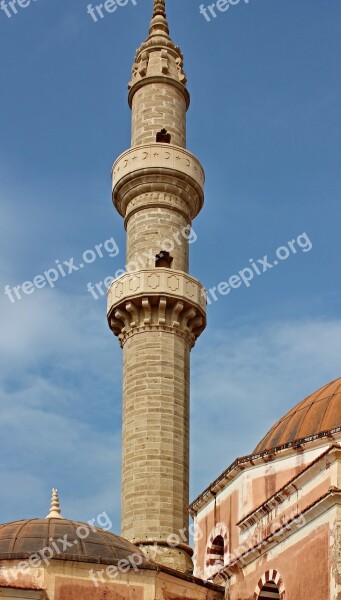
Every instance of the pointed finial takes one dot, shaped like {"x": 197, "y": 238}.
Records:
{"x": 159, "y": 8}
{"x": 55, "y": 512}
{"x": 159, "y": 21}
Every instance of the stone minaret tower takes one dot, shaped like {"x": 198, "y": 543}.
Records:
{"x": 157, "y": 309}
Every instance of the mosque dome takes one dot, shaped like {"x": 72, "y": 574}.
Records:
{"x": 58, "y": 538}
{"x": 318, "y": 413}
{"x": 68, "y": 540}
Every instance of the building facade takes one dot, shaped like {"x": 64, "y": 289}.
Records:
{"x": 270, "y": 525}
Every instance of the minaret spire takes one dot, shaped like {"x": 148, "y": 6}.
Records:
{"x": 159, "y": 23}
{"x": 158, "y": 57}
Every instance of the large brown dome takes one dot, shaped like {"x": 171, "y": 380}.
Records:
{"x": 22, "y": 539}
{"x": 318, "y": 413}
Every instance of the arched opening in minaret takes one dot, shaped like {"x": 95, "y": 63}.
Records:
{"x": 163, "y": 259}
{"x": 163, "y": 137}
{"x": 269, "y": 591}
{"x": 215, "y": 553}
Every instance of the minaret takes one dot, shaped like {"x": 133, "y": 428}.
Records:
{"x": 157, "y": 309}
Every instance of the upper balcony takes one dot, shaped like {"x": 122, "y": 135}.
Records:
{"x": 158, "y": 167}
{"x": 161, "y": 299}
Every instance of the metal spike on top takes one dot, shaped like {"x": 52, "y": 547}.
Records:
{"x": 159, "y": 21}
{"x": 55, "y": 512}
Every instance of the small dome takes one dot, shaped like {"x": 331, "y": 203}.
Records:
{"x": 317, "y": 413}
{"x": 22, "y": 539}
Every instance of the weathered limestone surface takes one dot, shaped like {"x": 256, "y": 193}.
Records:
{"x": 157, "y": 311}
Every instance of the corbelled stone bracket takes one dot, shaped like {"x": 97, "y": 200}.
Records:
{"x": 165, "y": 300}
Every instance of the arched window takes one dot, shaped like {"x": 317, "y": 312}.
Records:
{"x": 269, "y": 591}
{"x": 270, "y": 587}
{"x": 215, "y": 552}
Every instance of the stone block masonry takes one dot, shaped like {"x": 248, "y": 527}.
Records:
{"x": 158, "y": 312}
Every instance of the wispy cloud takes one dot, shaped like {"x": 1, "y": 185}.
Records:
{"x": 60, "y": 418}
{"x": 244, "y": 380}
{"x": 60, "y": 392}
{"x": 60, "y": 388}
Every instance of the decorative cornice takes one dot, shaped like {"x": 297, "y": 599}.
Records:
{"x": 158, "y": 168}
{"x": 158, "y": 299}
{"x": 312, "y": 512}
{"x": 244, "y": 462}
{"x": 289, "y": 488}
{"x": 158, "y": 155}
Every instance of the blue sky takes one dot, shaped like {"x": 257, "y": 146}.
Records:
{"x": 264, "y": 121}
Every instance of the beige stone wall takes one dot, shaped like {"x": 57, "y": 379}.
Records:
{"x": 155, "y": 436}
{"x": 155, "y": 229}
{"x": 69, "y": 580}
{"x": 156, "y": 106}
{"x": 157, "y": 316}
